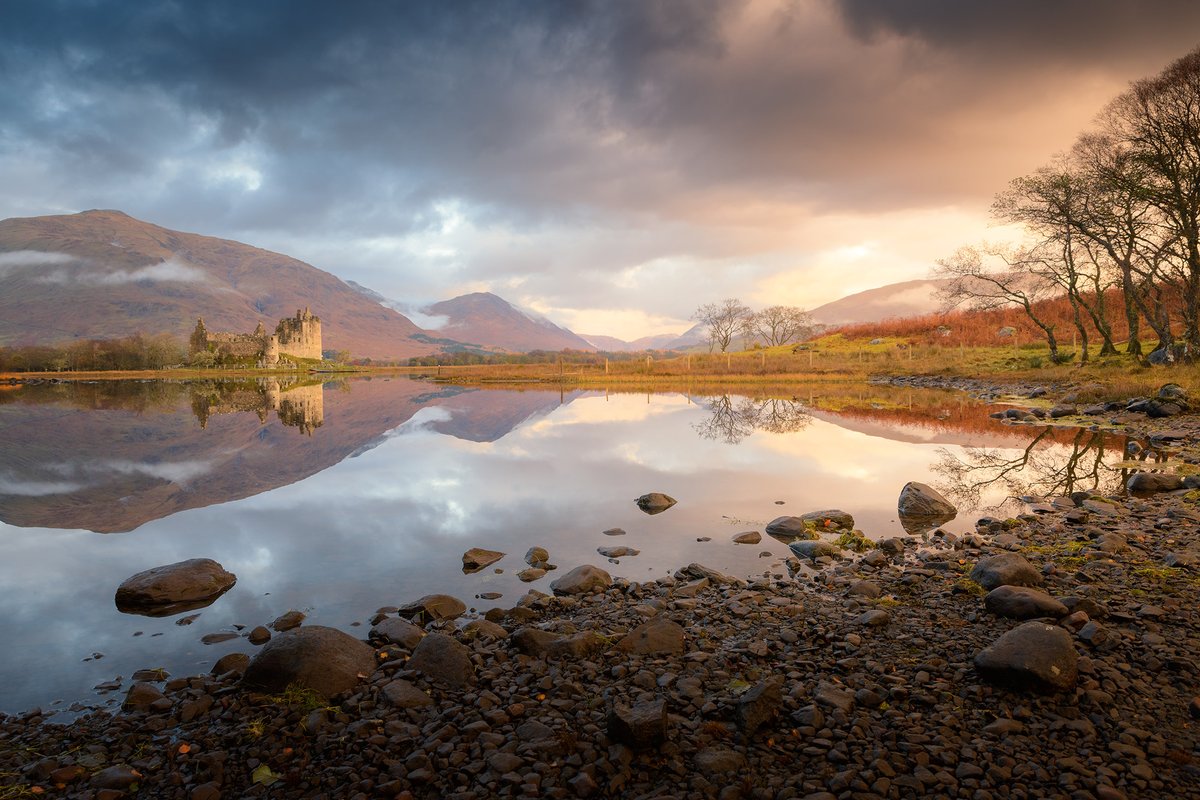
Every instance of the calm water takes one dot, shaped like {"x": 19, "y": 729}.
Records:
{"x": 340, "y": 498}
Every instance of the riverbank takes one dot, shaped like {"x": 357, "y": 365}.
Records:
{"x": 856, "y": 678}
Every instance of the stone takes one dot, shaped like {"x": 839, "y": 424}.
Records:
{"x": 700, "y": 572}
{"x": 655, "y": 502}
{"x": 614, "y": 532}
{"x": 864, "y": 589}
{"x": 402, "y": 694}
{"x": 719, "y": 761}
{"x": 287, "y": 621}
{"x": 172, "y": 588}
{"x": 640, "y": 727}
{"x": 322, "y": 659}
{"x": 1172, "y": 391}
{"x": 749, "y": 537}
{"x": 814, "y": 549}
{"x": 1022, "y": 602}
{"x": 1031, "y": 656}
{"x": 1063, "y": 410}
{"x": 547, "y": 644}
{"x": 921, "y": 507}
{"x": 581, "y": 580}
{"x": 259, "y": 635}
{"x": 395, "y": 630}
{"x": 536, "y": 556}
{"x": 657, "y": 636}
{"x": 433, "y": 607}
{"x": 834, "y": 696}
{"x": 444, "y": 660}
{"x": 530, "y": 574}
{"x": 118, "y": 777}
{"x": 1005, "y": 569}
{"x": 477, "y": 558}
{"x": 1160, "y": 409}
{"x": 759, "y": 705}
{"x": 141, "y": 696}
{"x": 1148, "y": 482}
{"x": 875, "y": 618}
{"x": 231, "y": 662}
{"x": 617, "y": 552}
{"x": 485, "y": 628}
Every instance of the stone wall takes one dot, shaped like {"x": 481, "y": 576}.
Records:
{"x": 300, "y": 336}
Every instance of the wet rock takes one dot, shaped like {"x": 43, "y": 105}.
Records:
{"x": 614, "y": 532}
{"x": 815, "y": 549}
{"x": 530, "y": 574}
{"x": 486, "y": 629}
{"x": 231, "y": 662}
{"x": 218, "y": 637}
{"x": 443, "y": 660}
{"x": 1148, "y": 482}
{"x": 581, "y": 580}
{"x": 395, "y": 630}
{"x": 259, "y": 635}
{"x": 537, "y": 556}
{"x": 1032, "y": 655}
{"x": 322, "y": 659}
{"x": 1005, "y": 569}
{"x": 921, "y": 501}
{"x": 477, "y": 558}
{"x": 1022, "y": 602}
{"x": 287, "y": 621}
{"x": 641, "y": 727}
{"x": 617, "y": 552}
{"x": 700, "y": 572}
{"x": 749, "y": 537}
{"x": 432, "y": 607}
{"x": 658, "y": 636}
{"x": 402, "y": 694}
{"x": 808, "y": 526}
{"x": 141, "y": 696}
{"x": 169, "y": 589}
{"x": 655, "y": 502}
{"x": 118, "y": 777}
{"x": 759, "y": 705}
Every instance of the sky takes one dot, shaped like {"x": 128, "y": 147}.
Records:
{"x": 610, "y": 164}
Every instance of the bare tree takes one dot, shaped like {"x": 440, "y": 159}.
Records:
{"x": 777, "y": 325}
{"x": 1003, "y": 279}
{"x": 724, "y": 321}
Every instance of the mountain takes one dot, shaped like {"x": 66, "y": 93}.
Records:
{"x": 482, "y": 318}
{"x": 118, "y": 275}
{"x": 893, "y": 301}
{"x": 692, "y": 337}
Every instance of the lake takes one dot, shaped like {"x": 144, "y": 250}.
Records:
{"x": 337, "y": 498}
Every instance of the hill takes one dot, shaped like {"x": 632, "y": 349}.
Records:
{"x": 895, "y": 300}
{"x": 118, "y": 275}
{"x": 692, "y": 337}
{"x": 482, "y": 318}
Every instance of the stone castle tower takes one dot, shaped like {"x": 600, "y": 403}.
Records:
{"x": 298, "y": 337}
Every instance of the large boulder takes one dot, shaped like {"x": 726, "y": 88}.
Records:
{"x": 810, "y": 525}
{"x": 547, "y": 644}
{"x": 395, "y": 630}
{"x": 1005, "y": 569}
{"x": 790, "y": 529}
{"x": 1148, "y": 482}
{"x": 1022, "y": 602}
{"x": 477, "y": 558}
{"x": 922, "y": 506}
{"x": 657, "y": 636}
{"x": 815, "y": 549}
{"x": 582, "y": 580}
{"x": 433, "y": 606}
{"x": 655, "y": 502}
{"x": 314, "y": 657}
{"x": 1031, "y": 656}
{"x": 173, "y": 588}
{"x": 443, "y": 660}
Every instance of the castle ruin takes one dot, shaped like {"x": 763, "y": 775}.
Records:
{"x": 296, "y": 337}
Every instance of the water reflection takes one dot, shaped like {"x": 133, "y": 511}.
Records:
{"x": 732, "y": 418}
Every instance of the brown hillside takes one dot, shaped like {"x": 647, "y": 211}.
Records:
{"x": 482, "y": 318}
{"x": 111, "y": 275}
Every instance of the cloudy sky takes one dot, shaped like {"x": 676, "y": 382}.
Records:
{"x": 611, "y": 164}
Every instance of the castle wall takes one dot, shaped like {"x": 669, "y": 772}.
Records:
{"x": 300, "y": 336}
{"x": 238, "y": 345}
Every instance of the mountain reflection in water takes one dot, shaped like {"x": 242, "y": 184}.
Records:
{"x": 339, "y": 497}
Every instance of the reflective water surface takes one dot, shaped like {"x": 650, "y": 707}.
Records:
{"x": 338, "y": 498}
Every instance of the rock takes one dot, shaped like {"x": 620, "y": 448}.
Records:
{"x": 231, "y": 662}
{"x": 169, "y": 589}
{"x": 924, "y": 503}
{"x": 118, "y": 777}
{"x": 875, "y": 618}
{"x": 1063, "y": 410}
{"x": 402, "y": 694}
{"x": 433, "y": 606}
{"x": 395, "y": 630}
{"x": 1148, "y": 482}
{"x": 658, "y": 636}
{"x": 614, "y": 532}
{"x": 485, "y": 628}
{"x": 719, "y": 761}
{"x": 1032, "y": 655}
{"x": 141, "y": 696}
{"x": 1172, "y": 391}
{"x": 814, "y": 549}
{"x": 218, "y": 637}
{"x": 834, "y": 696}
{"x": 788, "y": 529}
{"x": 322, "y": 659}
{"x": 530, "y": 574}
{"x": 1022, "y": 602}
{"x": 546, "y": 644}
{"x": 1005, "y": 569}
{"x": 443, "y": 660}
{"x": 537, "y": 556}
{"x": 874, "y": 558}
{"x": 285, "y": 622}
{"x": 655, "y": 502}
{"x": 749, "y": 537}
{"x": 864, "y": 589}
{"x": 759, "y": 705}
{"x": 617, "y": 552}
{"x": 581, "y": 580}
{"x": 477, "y": 558}
{"x": 700, "y": 572}
{"x": 641, "y": 727}
{"x": 259, "y": 635}
{"x": 1160, "y": 409}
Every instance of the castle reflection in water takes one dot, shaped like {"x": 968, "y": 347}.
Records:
{"x": 298, "y": 404}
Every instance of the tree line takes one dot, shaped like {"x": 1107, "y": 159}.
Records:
{"x": 772, "y": 326}
{"x": 135, "y": 352}
{"x": 1113, "y": 224}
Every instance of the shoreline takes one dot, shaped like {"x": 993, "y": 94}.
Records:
{"x": 856, "y": 681}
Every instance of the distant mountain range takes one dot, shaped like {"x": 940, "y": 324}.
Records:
{"x": 104, "y": 274}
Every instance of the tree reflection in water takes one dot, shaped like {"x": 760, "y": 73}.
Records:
{"x": 1048, "y": 466}
{"x": 733, "y": 419}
